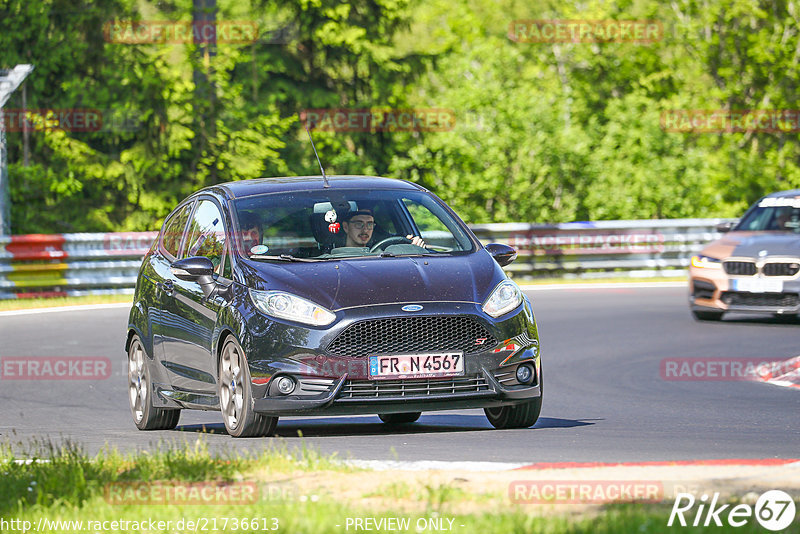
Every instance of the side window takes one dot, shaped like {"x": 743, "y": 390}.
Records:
{"x": 173, "y": 230}
{"x": 383, "y": 220}
{"x": 431, "y": 227}
{"x": 206, "y": 236}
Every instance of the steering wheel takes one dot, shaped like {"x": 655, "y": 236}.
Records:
{"x": 392, "y": 240}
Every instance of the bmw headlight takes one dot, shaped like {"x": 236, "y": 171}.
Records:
{"x": 291, "y": 307}
{"x": 505, "y": 297}
{"x": 706, "y": 262}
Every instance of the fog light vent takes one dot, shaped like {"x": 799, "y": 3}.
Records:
{"x": 524, "y": 374}
{"x": 286, "y": 385}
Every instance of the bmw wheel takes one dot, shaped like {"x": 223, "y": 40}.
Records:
{"x": 140, "y": 393}
{"x": 236, "y": 395}
{"x": 522, "y": 415}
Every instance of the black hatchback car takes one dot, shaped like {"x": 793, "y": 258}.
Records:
{"x": 299, "y": 296}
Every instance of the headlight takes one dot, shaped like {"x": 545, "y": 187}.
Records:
{"x": 291, "y": 307}
{"x": 505, "y": 297}
{"x": 706, "y": 262}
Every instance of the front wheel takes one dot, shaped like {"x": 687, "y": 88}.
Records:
{"x": 522, "y": 415}
{"x": 140, "y": 393}
{"x": 236, "y": 396}
{"x": 399, "y": 418}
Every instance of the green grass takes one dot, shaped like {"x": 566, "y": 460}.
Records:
{"x": 68, "y": 485}
{"x": 27, "y": 304}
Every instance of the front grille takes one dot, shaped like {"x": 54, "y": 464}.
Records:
{"x": 398, "y": 335}
{"x": 742, "y": 268}
{"x": 772, "y": 300}
{"x": 780, "y": 269}
{"x": 370, "y": 389}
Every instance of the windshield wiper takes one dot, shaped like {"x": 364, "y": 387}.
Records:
{"x": 282, "y": 257}
{"x": 417, "y": 255}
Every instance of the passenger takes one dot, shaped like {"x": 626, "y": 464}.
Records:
{"x": 359, "y": 225}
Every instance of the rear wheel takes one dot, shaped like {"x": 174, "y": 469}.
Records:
{"x": 140, "y": 393}
{"x": 236, "y": 395}
{"x": 522, "y": 415}
{"x": 707, "y": 315}
{"x": 399, "y": 418}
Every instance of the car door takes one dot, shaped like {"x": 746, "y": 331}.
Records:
{"x": 158, "y": 271}
{"x": 189, "y": 317}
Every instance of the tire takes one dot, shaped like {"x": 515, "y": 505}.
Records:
{"x": 236, "y": 395}
{"x": 522, "y": 415}
{"x": 140, "y": 393}
{"x": 707, "y": 315}
{"x": 399, "y": 418}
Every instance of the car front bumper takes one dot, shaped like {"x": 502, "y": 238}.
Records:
{"x": 713, "y": 290}
{"x": 332, "y": 384}
{"x": 335, "y": 402}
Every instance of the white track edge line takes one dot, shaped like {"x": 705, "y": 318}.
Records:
{"x": 426, "y": 465}
{"x": 610, "y": 285}
{"x": 87, "y": 307}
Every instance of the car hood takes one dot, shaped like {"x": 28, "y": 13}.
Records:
{"x": 751, "y": 245}
{"x": 363, "y": 282}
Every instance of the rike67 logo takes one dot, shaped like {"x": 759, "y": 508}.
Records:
{"x": 774, "y": 510}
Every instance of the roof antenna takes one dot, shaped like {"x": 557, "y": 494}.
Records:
{"x": 324, "y": 178}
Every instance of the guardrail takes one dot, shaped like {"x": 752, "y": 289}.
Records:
{"x": 79, "y": 264}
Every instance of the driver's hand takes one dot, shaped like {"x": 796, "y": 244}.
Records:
{"x": 417, "y": 240}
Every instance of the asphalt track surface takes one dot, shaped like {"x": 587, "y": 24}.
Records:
{"x": 605, "y": 399}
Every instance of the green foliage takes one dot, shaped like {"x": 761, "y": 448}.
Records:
{"x": 544, "y": 132}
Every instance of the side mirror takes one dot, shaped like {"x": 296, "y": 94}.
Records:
{"x": 502, "y": 254}
{"x": 190, "y": 269}
{"x": 196, "y": 269}
{"x": 725, "y": 227}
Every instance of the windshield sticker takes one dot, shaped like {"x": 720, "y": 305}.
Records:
{"x": 780, "y": 202}
{"x": 259, "y": 249}
{"x": 330, "y": 216}
{"x": 333, "y": 228}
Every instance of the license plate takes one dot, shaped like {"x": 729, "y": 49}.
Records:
{"x": 758, "y": 285}
{"x": 416, "y": 365}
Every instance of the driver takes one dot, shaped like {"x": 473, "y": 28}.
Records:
{"x": 783, "y": 221}
{"x": 359, "y": 225}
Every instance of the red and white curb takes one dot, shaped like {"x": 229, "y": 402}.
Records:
{"x": 785, "y": 374}
{"x": 744, "y": 462}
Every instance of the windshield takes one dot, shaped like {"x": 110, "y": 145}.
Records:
{"x": 773, "y": 214}
{"x": 323, "y": 225}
